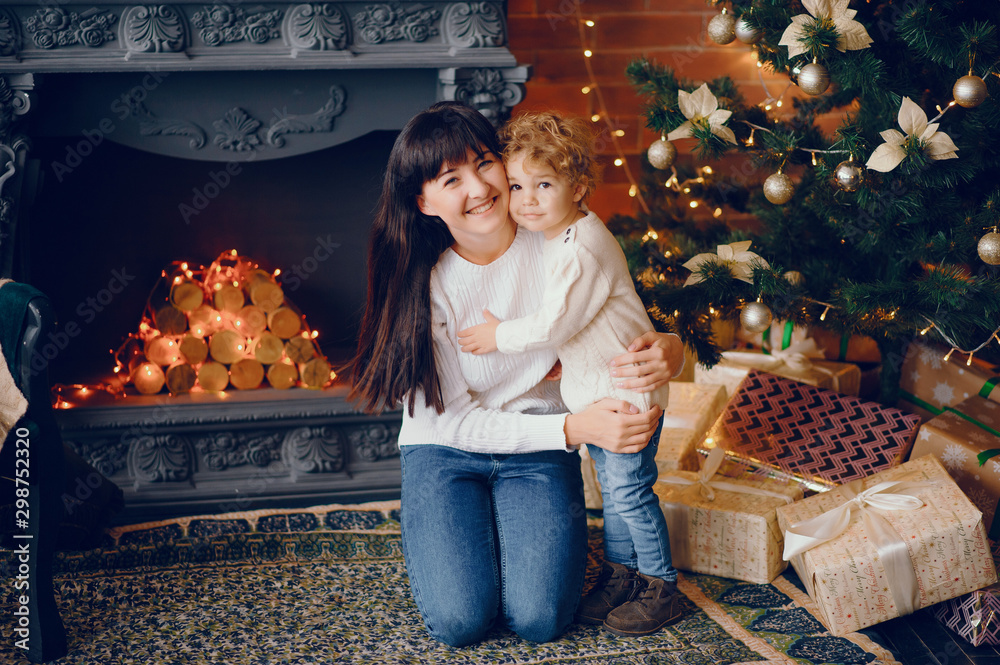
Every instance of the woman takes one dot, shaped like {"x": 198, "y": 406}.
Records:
{"x": 493, "y": 520}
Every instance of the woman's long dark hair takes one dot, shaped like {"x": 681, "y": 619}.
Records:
{"x": 395, "y": 354}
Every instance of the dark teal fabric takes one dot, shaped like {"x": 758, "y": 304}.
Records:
{"x": 14, "y": 299}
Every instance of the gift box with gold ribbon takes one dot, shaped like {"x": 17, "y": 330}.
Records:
{"x": 887, "y": 545}
{"x": 692, "y": 409}
{"x": 801, "y": 361}
{"x": 929, "y": 382}
{"x": 957, "y": 438}
{"x": 724, "y": 526}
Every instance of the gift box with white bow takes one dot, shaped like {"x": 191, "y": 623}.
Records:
{"x": 801, "y": 361}
{"x": 724, "y": 526}
{"x": 887, "y": 545}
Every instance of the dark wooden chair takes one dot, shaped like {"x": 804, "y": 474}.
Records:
{"x": 26, "y": 318}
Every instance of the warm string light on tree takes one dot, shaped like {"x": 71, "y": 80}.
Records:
{"x": 594, "y": 89}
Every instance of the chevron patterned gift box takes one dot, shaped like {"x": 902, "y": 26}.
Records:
{"x": 781, "y": 428}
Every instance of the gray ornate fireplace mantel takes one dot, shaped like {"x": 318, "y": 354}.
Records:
{"x": 230, "y": 82}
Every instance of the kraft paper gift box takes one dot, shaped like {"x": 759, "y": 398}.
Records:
{"x": 887, "y": 545}
{"x": 692, "y": 409}
{"x": 928, "y": 383}
{"x": 801, "y": 362}
{"x": 956, "y": 438}
{"x": 773, "y": 426}
{"x": 724, "y": 526}
{"x": 690, "y": 412}
{"x": 840, "y": 347}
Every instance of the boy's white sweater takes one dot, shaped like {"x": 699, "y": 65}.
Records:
{"x": 590, "y": 312}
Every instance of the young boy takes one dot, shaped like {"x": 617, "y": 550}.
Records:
{"x": 590, "y": 313}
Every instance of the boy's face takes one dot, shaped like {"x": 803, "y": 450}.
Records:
{"x": 541, "y": 200}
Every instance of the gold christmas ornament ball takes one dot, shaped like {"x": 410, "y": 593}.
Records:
{"x": 661, "y": 154}
{"x": 722, "y": 29}
{"x": 969, "y": 91}
{"x": 779, "y": 188}
{"x": 848, "y": 176}
{"x": 814, "y": 79}
{"x": 794, "y": 277}
{"x": 755, "y": 317}
{"x": 989, "y": 248}
{"x": 746, "y": 33}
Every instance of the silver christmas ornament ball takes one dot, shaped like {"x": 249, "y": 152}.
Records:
{"x": 746, "y": 33}
{"x": 848, "y": 176}
{"x": 989, "y": 248}
{"x": 778, "y": 188}
{"x": 969, "y": 91}
{"x": 755, "y": 317}
{"x": 794, "y": 277}
{"x": 661, "y": 154}
{"x": 722, "y": 28}
{"x": 814, "y": 79}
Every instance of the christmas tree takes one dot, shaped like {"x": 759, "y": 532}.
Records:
{"x": 886, "y": 228}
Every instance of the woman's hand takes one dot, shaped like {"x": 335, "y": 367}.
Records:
{"x": 612, "y": 424}
{"x": 650, "y": 362}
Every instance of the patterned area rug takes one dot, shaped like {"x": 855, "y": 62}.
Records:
{"x": 327, "y": 585}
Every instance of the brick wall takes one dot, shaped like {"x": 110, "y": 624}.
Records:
{"x": 546, "y": 35}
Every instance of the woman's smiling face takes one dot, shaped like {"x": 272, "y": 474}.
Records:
{"x": 471, "y": 198}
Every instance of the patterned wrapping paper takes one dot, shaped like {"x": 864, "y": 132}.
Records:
{"x": 735, "y": 535}
{"x": 843, "y": 378}
{"x": 956, "y": 441}
{"x": 777, "y": 427}
{"x": 928, "y": 383}
{"x": 944, "y": 539}
{"x": 691, "y": 411}
{"x": 974, "y": 616}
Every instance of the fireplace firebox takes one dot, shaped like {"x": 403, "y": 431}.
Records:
{"x": 133, "y": 135}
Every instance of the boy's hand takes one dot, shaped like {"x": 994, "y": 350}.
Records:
{"x": 480, "y": 339}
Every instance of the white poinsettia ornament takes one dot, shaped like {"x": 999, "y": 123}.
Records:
{"x": 851, "y": 35}
{"x": 913, "y": 121}
{"x": 736, "y": 255}
{"x": 701, "y": 108}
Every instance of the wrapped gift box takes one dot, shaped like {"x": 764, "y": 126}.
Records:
{"x": 776, "y": 426}
{"x": 690, "y": 412}
{"x": 974, "y": 616}
{"x": 692, "y": 409}
{"x": 843, "y": 378}
{"x": 834, "y": 346}
{"x": 730, "y": 529}
{"x": 929, "y": 383}
{"x": 931, "y": 551}
{"x": 956, "y": 438}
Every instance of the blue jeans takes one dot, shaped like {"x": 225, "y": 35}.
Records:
{"x": 635, "y": 531}
{"x": 493, "y": 538}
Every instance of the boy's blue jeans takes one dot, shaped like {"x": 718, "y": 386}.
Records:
{"x": 635, "y": 531}
{"x": 493, "y": 538}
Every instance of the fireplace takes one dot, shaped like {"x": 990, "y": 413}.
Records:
{"x": 132, "y": 136}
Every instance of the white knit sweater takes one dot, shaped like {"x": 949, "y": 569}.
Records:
{"x": 494, "y": 403}
{"x": 590, "y": 311}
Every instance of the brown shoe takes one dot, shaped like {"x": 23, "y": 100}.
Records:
{"x": 614, "y": 586}
{"x": 656, "y": 604}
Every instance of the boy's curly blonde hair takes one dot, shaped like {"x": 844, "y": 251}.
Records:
{"x": 564, "y": 143}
